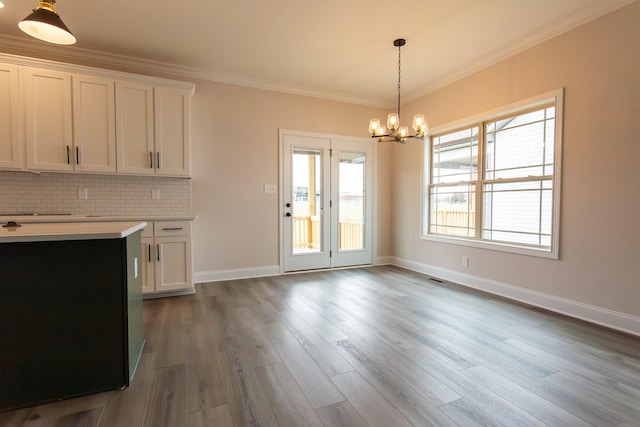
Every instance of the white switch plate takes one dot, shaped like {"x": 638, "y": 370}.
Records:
{"x": 83, "y": 194}
{"x": 465, "y": 262}
{"x": 155, "y": 194}
{"x": 270, "y": 188}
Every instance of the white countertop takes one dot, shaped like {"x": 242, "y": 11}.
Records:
{"x": 90, "y": 218}
{"x": 47, "y": 232}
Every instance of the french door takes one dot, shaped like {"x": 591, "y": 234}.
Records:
{"x": 326, "y": 201}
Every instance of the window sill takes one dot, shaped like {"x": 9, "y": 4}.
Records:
{"x": 494, "y": 246}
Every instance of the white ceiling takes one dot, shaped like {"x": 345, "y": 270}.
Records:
{"x": 336, "y": 49}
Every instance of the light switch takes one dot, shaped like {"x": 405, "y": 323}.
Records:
{"x": 270, "y": 188}
{"x": 155, "y": 194}
{"x": 83, "y": 194}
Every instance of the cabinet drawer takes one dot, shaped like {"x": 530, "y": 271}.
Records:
{"x": 172, "y": 228}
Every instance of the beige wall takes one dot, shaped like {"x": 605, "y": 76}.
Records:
{"x": 599, "y": 66}
{"x": 235, "y": 152}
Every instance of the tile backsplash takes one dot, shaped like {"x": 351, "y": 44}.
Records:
{"x": 25, "y": 192}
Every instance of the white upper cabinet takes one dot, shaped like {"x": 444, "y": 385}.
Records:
{"x": 153, "y": 130}
{"x": 70, "y": 118}
{"x": 134, "y": 127}
{"x": 94, "y": 124}
{"x": 47, "y": 106}
{"x": 70, "y": 121}
{"x": 172, "y": 131}
{"x": 10, "y": 138}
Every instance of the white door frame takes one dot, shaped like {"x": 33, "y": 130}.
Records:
{"x": 371, "y": 222}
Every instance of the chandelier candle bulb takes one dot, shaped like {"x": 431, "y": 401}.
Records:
{"x": 419, "y": 124}
{"x": 392, "y": 121}
{"x": 374, "y": 126}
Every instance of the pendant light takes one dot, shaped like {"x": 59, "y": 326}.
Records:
{"x": 45, "y": 24}
{"x": 393, "y": 131}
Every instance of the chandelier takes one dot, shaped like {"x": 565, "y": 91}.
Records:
{"x": 393, "y": 131}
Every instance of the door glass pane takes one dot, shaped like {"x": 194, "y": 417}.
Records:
{"x": 307, "y": 210}
{"x": 351, "y": 202}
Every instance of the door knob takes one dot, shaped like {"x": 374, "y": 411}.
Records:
{"x": 287, "y": 214}
{"x": 288, "y": 205}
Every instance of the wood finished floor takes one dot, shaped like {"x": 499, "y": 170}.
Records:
{"x": 377, "y": 346}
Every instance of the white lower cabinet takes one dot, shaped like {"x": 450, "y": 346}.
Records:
{"x": 166, "y": 246}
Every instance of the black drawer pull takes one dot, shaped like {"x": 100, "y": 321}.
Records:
{"x": 172, "y": 229}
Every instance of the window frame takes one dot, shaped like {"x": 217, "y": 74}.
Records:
{"x": 555, "y": 97}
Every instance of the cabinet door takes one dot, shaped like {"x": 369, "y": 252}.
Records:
{"x": 134, "y": 128}
{"x": 173, "y": 263}
{"x": 48, "y": 119}
{"x": 147, "y": 265}
{"x": 172, "y": 136}
{"x": 94, "y": 124}
{"x": 10, "y": 142}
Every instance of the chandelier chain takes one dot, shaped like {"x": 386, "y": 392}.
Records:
{"x": 399, "y": 49}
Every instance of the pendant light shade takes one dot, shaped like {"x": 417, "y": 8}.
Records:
{"x": 45, "y": 24}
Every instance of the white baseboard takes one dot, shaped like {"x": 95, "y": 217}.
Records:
{"x": 385, "y": 260}
{"x": 601, "y": 316}
{"x": 177, "y": 293}
{"x": 241, "y": 273}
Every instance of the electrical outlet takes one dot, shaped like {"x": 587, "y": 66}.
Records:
{"x": 83, "y": 194}
{"x": 465, "y": 262}
{"x": 270, "y": 188}
{"x": 155, "y": 194}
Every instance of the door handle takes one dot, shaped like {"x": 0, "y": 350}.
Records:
{"x": 287, "y": 214}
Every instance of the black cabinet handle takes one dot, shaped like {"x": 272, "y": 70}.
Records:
{"x": 151, "y": 159}
{"x": 158, "y": 161}
{"x": 149, "y": 250}
{"x": 172, "y": 229}
{"x": 68, "y": 155}
{"x": 77, "y": 155}
{"x": 158, "y": 250}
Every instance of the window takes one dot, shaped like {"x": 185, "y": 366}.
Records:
{"x": 493, "y": 181}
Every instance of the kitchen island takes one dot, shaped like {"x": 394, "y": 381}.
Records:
{"x": 70, "y": 309}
